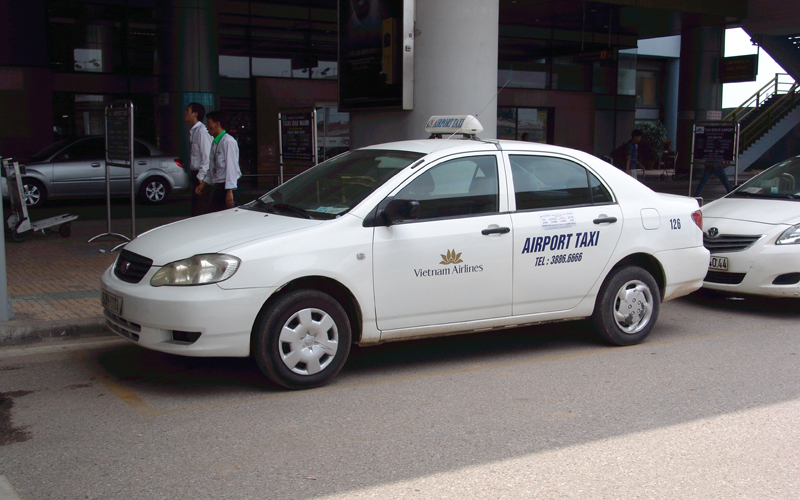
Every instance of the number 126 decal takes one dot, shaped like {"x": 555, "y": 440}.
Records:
{"x": 674, "y": 223}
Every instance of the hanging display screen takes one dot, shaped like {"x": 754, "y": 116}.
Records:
{"x": 376, "y": 44}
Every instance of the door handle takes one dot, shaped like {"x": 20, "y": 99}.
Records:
{"x": 604, "y": 220}
{"x": 496, "y": 230}
{"x": 95, "y": 164}
{"x": 141, "y": 162}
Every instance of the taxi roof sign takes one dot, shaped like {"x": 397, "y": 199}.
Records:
{"x": 462, "y": 124}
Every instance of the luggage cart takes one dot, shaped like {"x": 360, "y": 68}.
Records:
{"x": 668, "y": 160}
{"x": 18, "y": 221}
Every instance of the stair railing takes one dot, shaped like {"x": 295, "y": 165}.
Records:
{"x": 764, "y": 119}
{"x": 761, "y": 124}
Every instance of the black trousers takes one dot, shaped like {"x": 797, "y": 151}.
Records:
{"x": 201, "y": 203}
{"x": 218, "y": 198}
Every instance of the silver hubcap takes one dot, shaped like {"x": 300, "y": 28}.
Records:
{"x": 155, "y": 191}
{"x": 633, "y": 307}
{"x": 308, "y": 341}
{"x": 32, "y": 194}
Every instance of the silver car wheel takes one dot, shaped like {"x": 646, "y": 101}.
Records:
{"x": 155, "y": 191}
{"x": 633, "y": 306}
{"x": 32, "y": 194}
{"x": 308, "y": 341}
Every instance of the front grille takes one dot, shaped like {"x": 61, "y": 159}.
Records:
{"x": 122, "y": 327}
{"x": 729, "y": 242}
{"x": 131, "y": 267}
{"x": 724, "y": 278}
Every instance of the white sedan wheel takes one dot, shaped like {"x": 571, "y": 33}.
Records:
{"x": 309, "y": 341}
{"x": 633, "y": 307}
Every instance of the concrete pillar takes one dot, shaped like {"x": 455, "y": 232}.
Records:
{"x": 188, "y": 66}
{"x": 455, "y": 72}
{"x": 699, "y": 91}
{"x": 671, "y": 100}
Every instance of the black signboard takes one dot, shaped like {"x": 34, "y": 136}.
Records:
{"x": 715, "y": 143}
{"x": 297, "y": 137}
{"x": 118, "y": 135}
{"x": 371, "y": 54}
{"x": 738, "y": 69}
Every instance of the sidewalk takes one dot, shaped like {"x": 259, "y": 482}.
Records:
{"x": 54, "y": 282}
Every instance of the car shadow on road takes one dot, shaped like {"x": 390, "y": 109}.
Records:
{"x": 750, "y": 304}
{"x": 156, "y": 372}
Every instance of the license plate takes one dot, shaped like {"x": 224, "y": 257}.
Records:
{"x": 111, "y": 302}
{"x": 718, "y": 263}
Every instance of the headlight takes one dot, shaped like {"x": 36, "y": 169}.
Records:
{"x": 198, "y": 270}
{"x": 790, "y": 237}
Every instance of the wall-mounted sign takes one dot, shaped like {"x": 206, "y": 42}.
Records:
{"x": 376, "y": 49}
{"x": 738, "y": 69}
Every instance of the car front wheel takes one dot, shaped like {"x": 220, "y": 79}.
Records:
{"x": 627, "y": 306}
{"x": 34, "y": 193}
{"x": 303, "y": 340}
{"x": 154, "y": 190}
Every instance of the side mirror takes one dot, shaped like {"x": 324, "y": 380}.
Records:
{"x": 400, "y": 210}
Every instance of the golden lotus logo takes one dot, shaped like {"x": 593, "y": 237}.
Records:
{"x": 451, "y": 258}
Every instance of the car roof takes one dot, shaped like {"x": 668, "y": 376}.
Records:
{"x": 465, "y": 145}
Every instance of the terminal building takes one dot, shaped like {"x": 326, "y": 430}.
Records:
{"x": 568, "y": 72}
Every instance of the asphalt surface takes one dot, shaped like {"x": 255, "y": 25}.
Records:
{"x": 707, "y": 408}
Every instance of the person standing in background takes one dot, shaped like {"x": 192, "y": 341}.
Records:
{"x": 632, "y": 159}
{"x": 199, "y": 151}
{"x": 224, "y": 171}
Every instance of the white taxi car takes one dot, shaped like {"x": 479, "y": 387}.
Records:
{"x": 406, "y": 240}
{"x": 753, "y": 235}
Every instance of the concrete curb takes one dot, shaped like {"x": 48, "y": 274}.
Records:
{"x": 26, "y": 331}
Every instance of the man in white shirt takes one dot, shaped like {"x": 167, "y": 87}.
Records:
{"x": 200, "y": 149}
{"x": 223, "y": 172}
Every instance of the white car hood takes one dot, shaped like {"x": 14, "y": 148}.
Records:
{"x": 212, "y": 233}
{"x": 754, "y": 210}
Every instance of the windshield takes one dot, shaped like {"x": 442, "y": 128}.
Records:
{"x": 779, "y": 181}
{"x": 334, "y": 187}
{"x": 50, "y": 150}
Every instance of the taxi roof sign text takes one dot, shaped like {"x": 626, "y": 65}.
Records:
{"x": 462, "y": 124}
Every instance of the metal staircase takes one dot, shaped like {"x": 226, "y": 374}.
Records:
{"x": 766, "y": 117}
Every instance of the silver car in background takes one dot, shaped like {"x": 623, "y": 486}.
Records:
{"x": 76, "y": 168}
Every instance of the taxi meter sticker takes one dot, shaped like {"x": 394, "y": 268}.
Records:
{"x": 563, "y": 220}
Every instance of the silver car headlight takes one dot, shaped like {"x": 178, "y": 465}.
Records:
{"x": 790, "y": 237}
{"x": 198, "y": 270}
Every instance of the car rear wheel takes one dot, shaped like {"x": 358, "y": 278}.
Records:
{"x": 303, "y": 340}
{"x": 154, "y": 190}
{"x": 627, "y": 306}
{"x": 34, "y": 193}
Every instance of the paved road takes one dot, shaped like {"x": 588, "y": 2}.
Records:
{"x": 708, "y": 407}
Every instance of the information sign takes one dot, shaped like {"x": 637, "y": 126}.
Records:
{"x": 715, "y": 143}
{"x": 298, "y": 143}
{"x": 118, "y": 135}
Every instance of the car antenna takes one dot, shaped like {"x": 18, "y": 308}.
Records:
{"x": 481, "y": 111}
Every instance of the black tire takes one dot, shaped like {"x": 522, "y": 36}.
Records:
{"x": 65, "y": 230}
{"x": 627, "y": 306}
{"x": 154, "y": 190}
{"x": 34, "y": 193}
{"x": 315, "y": 355}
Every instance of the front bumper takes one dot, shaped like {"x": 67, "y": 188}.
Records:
{"x": 150, "y": 316}
{"x": 754, "y": 270}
